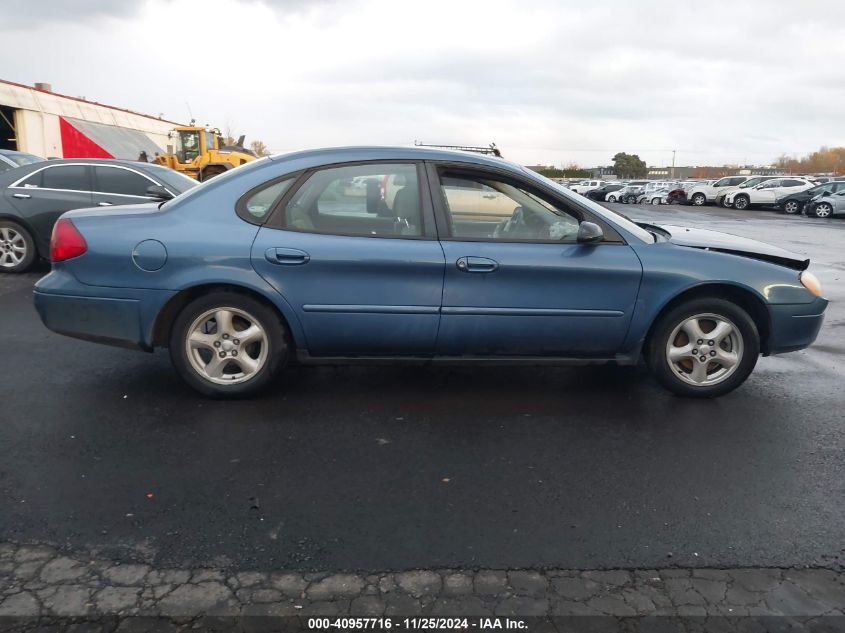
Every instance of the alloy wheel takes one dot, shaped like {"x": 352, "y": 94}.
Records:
{"x": 740, "y": 202}
{"x": 226, "y": 346}
{"x": 699, "y": 199}
{"x": 823, "y": 210}
{"x": 12, "y": 248}
{"x": 791, "y": 207}
{"x": 705, "y": 349}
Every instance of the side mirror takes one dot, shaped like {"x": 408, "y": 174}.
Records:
{"x": 589, "y": 233}
{"x": 157, "y": 192}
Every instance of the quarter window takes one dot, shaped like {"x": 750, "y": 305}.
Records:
{"x": 368, "y": 200}
{"x": 69, "y": 177}
{"x": 121, "y": 181}
{"x": 486, "y": 208}
{"x": 259, "y": 204}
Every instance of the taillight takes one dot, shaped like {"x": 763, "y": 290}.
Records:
{"x": 66, "y": 241}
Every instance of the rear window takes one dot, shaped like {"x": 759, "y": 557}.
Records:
{"x": 21, "y": 158}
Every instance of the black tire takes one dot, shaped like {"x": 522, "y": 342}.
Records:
{"x": 610, "y": 198}
{"x": 278, "y": 344}
{"x": 698, "y": 200}
{"x": 741, "y": 202}
{"x": 631, "y": 200}
{"x": 210, "y": 172}
{"x": 14, "y": 236}
{"x": 656, "y": 346}
{"x": 791, "y": 207}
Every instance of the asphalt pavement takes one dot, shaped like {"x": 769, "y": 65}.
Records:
{"x": 392, "y": 468}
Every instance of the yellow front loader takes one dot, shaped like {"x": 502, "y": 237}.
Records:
{"x": 199, "y": 152}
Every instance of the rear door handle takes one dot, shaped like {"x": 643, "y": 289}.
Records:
{"x": 286, "y": 256}
{"x": 22, "y": 196}
{"x": 477, "y": 265}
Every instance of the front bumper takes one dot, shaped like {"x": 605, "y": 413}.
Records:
{"x": 124, "y": 317}
{"x": 795, "y": 326}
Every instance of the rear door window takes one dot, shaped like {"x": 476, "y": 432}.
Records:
{"x": 121, "y": 181}
{"x": 372, "y": 200}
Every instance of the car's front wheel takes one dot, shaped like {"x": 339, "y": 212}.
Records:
{"x": 698, "y": 200}
{"x": 741, "y": 202}
{"x": 610, "y": 198}
{"x": 228, "y": 345}
{"x": 17, "y": 248}
{"x": 823, "y": 210}
{"x": 703, "y": 348}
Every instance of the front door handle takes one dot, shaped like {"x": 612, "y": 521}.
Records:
{"x": 286, "y": 256}
{"x": 22, "y": 196}
{"x": 477, "y": 265}
{"x": 104, "y": 204}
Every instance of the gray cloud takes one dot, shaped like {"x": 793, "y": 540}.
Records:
{"x": 719, "y": 81}
{"x": 29, "y": 13}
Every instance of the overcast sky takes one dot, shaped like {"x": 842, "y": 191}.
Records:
{"x": 549, "y": 81}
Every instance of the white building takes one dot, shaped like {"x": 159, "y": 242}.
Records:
{"x": 39, "y": 121}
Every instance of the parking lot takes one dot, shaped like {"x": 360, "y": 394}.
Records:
{"x": 386, "y": 468}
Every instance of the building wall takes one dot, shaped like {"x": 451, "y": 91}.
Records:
{"x": 37, "y": 119}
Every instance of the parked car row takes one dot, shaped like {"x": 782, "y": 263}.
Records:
{"x": 790, "y": 194}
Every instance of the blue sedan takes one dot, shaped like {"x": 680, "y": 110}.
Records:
{"x": 417, "y": 255}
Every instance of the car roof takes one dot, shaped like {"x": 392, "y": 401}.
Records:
{"x": 330, "y": 155}
{"x": 12, "y": 175}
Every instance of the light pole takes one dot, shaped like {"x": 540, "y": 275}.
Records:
{"x": 672, "y": 173}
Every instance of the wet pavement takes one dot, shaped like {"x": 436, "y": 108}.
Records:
{"x": 387, "y": 469}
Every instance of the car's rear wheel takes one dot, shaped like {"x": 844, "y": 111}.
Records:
{"x": 699, "y": 200}
{"x": 17, "y": 248}
{"x": 610, "y": 198}
{"x": 823, "y": 210}
{"x": 228, "y": 345}
{"x": 631, "y": 200}
{"x": 655, "y": 201}
{"x": 741, "y": 202}
{"x": 703, "y": 348}
{"x": 791, "y": 207}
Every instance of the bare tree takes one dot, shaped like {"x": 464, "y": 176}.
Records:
{"x": 259, "y": 148}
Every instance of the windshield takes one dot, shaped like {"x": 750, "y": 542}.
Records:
{"x": 612, "y": 216}
{"x": 20, "y": 158}
{"x": 186, "y": 145}
{"x": 754, "y": 181}
{"x": 173, "y": 180}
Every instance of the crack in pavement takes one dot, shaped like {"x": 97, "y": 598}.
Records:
{"x": 41, "y": 582}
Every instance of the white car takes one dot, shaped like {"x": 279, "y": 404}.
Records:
{"x": 629, "y": 193}
{"x": 721, "y": 199}
{"x": 587, "y": 185}
{"x": 703, "y": 193}
{"x": 766, "y": 193}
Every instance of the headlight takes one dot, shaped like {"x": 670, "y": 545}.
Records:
{"x": 811, "y": 283}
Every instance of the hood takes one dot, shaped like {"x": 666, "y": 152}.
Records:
{"x": 727, "y": 243}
